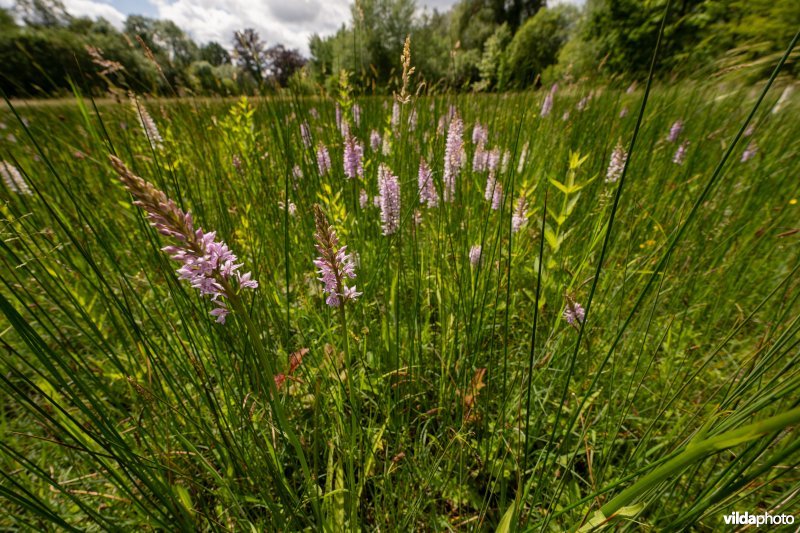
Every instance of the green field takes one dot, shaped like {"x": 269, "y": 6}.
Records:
{"x": 453, "y": 393}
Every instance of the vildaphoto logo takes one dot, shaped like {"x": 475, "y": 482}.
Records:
{"x": 758, "y": 520}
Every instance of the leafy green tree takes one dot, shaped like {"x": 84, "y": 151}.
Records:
{"x": 492, "y": 67}
{"x": 172, "y": 49}
{"x": 577, "y": 59}
{"x": 248, "y": 50}
{"x": 321, "y": 64}
{"x": 383, "y": 25}
{"x": 226, "y": 79}
{"x": 464, "y": 70}
{"x": 537, "y": 43}
{"x": 39, "y": 62}
{"x": 516, "y": 12}
{"x": 624, "y": 34}
{"x": 431, "y": 46}
{"x": 142, "y": 27}
{"x": 42, "y": 13}
{"x": 214, "y": 54}
{"x": 473, "y": 21}
{"x": 370, "y": 48}
{"x": 748, "y": 37}
{"x": 7, "y": 22}
{"x": 180, "y": 50}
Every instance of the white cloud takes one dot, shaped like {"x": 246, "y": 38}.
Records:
{"x": 95, "y": 10}
{"x": 441, "y": 5}
{"x": 290, "y": 22}
{"x": 85, "y": 8}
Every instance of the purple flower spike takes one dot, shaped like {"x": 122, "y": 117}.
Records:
{"x": 427, "y": 189}
{"x": 749, "y": 152}
{"x": 493, "y": 192}
{"x": 475, "y": 255}
{"x": 520, "y": 216}
{"x": 13, "y": 179}
{"x": 353, "y": 151}
{"x": 323, "y": 159}
{"x": 339, "y": 120}
{"x": 497, "y": 197}
{"x": 547, "y": 105}
{"x": 305, "y": 133}
{"x": 206, "y": 263}
{"x": 480, "y": 160}
{"x": 574, "y": 313}
{"x": 453, "y": 156}
{"x": 395, "y": 115}
{"x": 617, "y": 163}
{"x": 375, "y": 140}
{"x": 389, "y": 189}
{"x": 480, "y": 135}
{"x": 675, "y": 131}
{"x": 147, "y": 123}
{"x": 680, "y": 153}
{"x": 493, "y": 159}
{"x": 334, "y": 264}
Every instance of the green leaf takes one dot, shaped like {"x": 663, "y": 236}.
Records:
{"x": 505, "y": 523}
{"x": 560, "y": 186}
{"x": 552, "y": 240}
{"x": 184, "y": 497}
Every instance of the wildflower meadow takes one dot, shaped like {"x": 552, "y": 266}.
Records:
{"x": 567, "y": 309}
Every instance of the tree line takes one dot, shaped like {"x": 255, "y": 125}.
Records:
{"x": 477, "y": 45}
{"x": 485, "y": 45}
{"x": 44, "y": 50}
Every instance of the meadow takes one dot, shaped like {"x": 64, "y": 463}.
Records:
{"x": 568, "y": 309}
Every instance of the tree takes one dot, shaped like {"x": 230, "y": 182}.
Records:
{"x": 171, "y": 48}
{"x": 700, "y": 36}
{"x": 321, "y": 64}
{"x": 7, "y": 23}
{"x": 538, "y": 41}
{"x": 516, "y": 12}
{"x": 282, "y": 63}
{"x": 214, "y": 54}
{"x": 39, "y": 62}
{"x": 180, "y": 50}
{"x": 201, "y": 77}
{"x": 431, "y": 46}
{"x": 248, "y": 50}
{"x": 384, "y": 25}
{"x": 492, "y": 65}
{"x": 473, "y": 21}
{"x": 748, "y": 36}
{"x": 43, "y": 13}
{"x": 625, "y": 33}
{"x": 142, "y": 27}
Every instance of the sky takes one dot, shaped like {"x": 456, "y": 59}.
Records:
{"x": 290, "y": 22}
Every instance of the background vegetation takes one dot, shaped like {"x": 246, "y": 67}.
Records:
{"x": 478, "y": 45}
